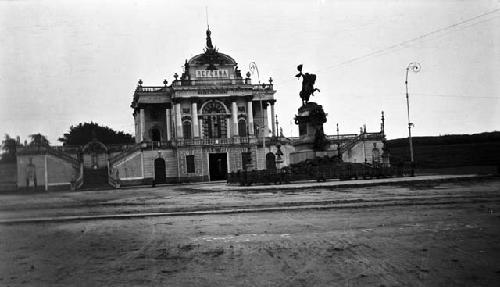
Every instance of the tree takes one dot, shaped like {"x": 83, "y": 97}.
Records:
{"x": 86, "y": 132}
{"x": 38, "y": 140}
{"x": 9, "y": 149}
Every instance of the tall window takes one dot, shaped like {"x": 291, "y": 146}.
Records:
{"x": 190, "y": 168}
{"x": 242, "y": 128}
{"x": 214, "y": 120}
{"x": 186, "y": 129}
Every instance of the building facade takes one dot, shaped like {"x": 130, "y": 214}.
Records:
{"x": 209, "y": 121}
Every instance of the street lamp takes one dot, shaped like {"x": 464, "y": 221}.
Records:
{"x": 414, "y": 67}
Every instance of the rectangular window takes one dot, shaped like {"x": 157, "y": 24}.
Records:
{"x": 186, "y": 110}
{"x": 241, "y": 109}
{"x": 246, "y": 159}
{"x": 190, "y": 164}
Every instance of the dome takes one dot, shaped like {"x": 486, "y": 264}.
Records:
{"x": 211, "y": 56}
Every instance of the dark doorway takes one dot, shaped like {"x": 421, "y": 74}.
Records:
{"x": 186, "y": 129}
{"x": 217, "y": 164}
{"x": 160, "y": 173}
{"x": 155, "y": 135}
{"x": 270, "y": 161}
{"x": 242, "y": 128}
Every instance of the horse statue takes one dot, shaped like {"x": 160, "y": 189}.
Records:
{"x": 308, "y": 88}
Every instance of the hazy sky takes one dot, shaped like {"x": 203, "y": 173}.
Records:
{"x": 66, "y": 62}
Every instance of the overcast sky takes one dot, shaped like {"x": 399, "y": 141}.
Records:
{"x": 66, "y": 62}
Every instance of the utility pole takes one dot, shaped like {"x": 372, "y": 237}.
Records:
{"x": 338, "y": 143}
{"x": 414, "y": 67}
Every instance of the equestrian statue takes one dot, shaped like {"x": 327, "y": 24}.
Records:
{"x": 308, "y": 81}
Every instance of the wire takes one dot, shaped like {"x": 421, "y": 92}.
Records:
{"x": 420, "y": 37}
{"x": 454, "y": 96}
{"x": 405, "y": 43}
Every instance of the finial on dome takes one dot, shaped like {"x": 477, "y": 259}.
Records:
{"x": 209, "y": 40}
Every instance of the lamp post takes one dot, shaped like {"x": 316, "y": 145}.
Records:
{"x": 414, "y": 67}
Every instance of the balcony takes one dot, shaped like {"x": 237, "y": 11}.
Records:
{"x": 213, "y": 142}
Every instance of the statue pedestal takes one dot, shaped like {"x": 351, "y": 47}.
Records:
{"x": 310, "y": 119}
{"x": 312, "y": 141}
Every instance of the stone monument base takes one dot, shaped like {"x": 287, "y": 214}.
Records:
{"x": 310, "y": 119}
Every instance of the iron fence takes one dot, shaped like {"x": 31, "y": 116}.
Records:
{"x": 318, "y": 172}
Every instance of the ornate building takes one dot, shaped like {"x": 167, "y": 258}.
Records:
{"x": 210, "y": 121}
{"x": 207, "y": 123}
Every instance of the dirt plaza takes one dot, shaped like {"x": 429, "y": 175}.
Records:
{"x": 428, "y": 233}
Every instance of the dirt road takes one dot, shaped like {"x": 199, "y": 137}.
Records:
{"x": 209, "y": 197}
{"x": 433, "y": 244}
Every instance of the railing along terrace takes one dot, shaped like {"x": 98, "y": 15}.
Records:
{"x": 263, "y": 86}
{"x": 341, "y": 137}
{"x": 156, "y": 144}
{"x": 348, "y": 137}
{"x": 211, "y": 141}
{"x": 151, "y": 89}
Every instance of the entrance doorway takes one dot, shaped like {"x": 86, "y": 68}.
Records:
{"x": 217, "y": 164}
{"x": 155, "y": 135}
{"x": 160, "y": 172}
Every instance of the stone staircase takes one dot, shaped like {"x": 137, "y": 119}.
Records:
{"x": 95, "y": 179}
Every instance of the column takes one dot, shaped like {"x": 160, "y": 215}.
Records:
{"x": 250, "y": 118}
{"x": 266, "y": 122}
{"x": 273, "y": 119}
{"x": 200, "y": 126}
{"x": 234, "y": 115}
{"x": 178, "y": 121}
{"x": 228, "y": 124}
{"x": 142, "y": 124}
{"x": 194, "y": 120}
{"x": 137, "y": 127}
{"x": 168, "y": 122}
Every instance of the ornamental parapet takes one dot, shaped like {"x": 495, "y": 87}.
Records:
{"x": 197, "y": 142}
{"x": 213, "y": 141}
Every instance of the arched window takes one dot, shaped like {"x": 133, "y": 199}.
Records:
{"x": 242, "y": 128}
{"x": 214, "y": 120}
{"x": 186, "y": 129}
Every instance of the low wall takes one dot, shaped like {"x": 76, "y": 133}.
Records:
{"x": 44, "y": 172}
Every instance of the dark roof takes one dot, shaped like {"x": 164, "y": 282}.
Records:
{"x": 211, "y": 56}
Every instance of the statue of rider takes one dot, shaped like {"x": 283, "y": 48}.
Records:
{"x": 308, "y": 81}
